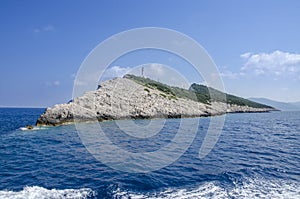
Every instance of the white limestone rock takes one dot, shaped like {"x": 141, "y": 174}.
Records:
{"x": 122, "y": 98}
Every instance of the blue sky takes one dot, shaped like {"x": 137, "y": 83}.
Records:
{"x": 255, "y": 44}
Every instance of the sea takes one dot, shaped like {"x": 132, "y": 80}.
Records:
{"x": 256, "y": 156}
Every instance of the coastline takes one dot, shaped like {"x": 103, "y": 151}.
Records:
{"x": 72, "y": 121}
{"x": 123, "y": 98}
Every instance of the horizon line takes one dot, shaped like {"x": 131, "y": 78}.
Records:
{"x": 22, "y": 106}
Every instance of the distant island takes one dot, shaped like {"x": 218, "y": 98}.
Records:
{"x": 283, "y": 106}
{"x": 135, "y": 97}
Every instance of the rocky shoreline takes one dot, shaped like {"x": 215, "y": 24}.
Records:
{"x": 123, "y": 98}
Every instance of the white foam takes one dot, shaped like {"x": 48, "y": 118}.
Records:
{"x": 34, "y": 128}
{"x": 254, "y": 189}
{"x": 36, "y": 192}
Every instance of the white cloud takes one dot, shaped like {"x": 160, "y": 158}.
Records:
{"x": 277, "y": 63}
{"x": 245, "y": 55}
{"x": 155, "y": 71}
{"x": 231, "y": 75}
{"x": 162, "y": 73}
{"x": 54, "y": 83}
{"x": 47, "y": 28}
{"x": 115, "y": 71}
{"x": 36, "y": 30}
{"x": 150, "y": 70}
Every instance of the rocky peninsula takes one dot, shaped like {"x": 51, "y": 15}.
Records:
{"x": 133, "y": 97}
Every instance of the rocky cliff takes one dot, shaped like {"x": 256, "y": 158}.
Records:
{"x": 124, "y": 98}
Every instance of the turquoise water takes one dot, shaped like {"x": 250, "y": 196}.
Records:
{"x": 257, "y": 155}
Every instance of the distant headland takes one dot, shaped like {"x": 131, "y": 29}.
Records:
{"x": 135, "y": 97}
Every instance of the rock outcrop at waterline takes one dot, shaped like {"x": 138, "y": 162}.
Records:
{"x": 124, "y": 98}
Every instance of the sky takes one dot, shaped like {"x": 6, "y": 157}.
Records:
{"x": 255, "y": 44}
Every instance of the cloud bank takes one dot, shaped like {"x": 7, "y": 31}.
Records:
{"x": 277, "y": 64}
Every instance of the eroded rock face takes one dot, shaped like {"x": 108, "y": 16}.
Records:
{"x": 122, "y": 98}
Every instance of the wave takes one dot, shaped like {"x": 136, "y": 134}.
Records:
{"x": 253, "y": 188}
{"x": 34, "y": 128}
{"x": 36, "y": 192}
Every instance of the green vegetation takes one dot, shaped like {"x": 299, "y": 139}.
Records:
{"x": 196, "y": 92}
{"x": 163, "y": 95}
{"x": 223, "y": 97}
{"x": 162, "y": 87}
{"x": 170, "y": 91}
{"x": 146, "y": 89}
{"x": 171, "y": 97}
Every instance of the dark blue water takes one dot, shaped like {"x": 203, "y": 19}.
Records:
{"x": 257, "y": 155}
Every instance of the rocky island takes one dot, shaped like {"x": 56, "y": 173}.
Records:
{"x": 133, "y": 97}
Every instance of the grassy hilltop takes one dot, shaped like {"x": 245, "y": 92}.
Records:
{"x": 196, "y": 92}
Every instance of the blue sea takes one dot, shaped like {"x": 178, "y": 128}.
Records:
{"x": 256, "y": 156}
